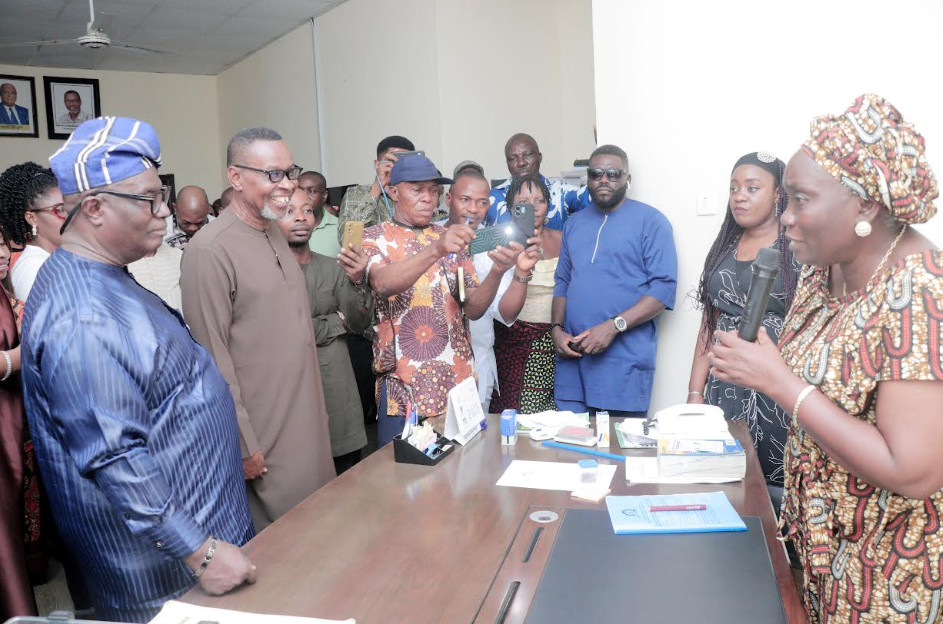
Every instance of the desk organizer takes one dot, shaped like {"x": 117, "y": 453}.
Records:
{"x": 406, "y": 453}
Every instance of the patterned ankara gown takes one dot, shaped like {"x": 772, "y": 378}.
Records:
{"x": 869, "y": 555}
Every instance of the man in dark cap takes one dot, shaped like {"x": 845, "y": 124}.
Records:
{"x": 370, "y": 203}
{"x": 133, "y": 425}
{"x": 418, "y": 272}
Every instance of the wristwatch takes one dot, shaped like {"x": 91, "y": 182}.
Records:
{"x": 523, "y": 280}
{"x": 620, "y": 324}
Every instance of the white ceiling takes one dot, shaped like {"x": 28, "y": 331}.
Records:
{"x": 202, "y": 36}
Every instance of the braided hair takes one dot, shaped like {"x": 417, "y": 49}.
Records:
{"x": 729, "y": 236}
{"x": 20, "y": 185}
{"x": 533, "y": 180}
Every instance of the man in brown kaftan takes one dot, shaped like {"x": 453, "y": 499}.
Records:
{"x": 245, "y": 301}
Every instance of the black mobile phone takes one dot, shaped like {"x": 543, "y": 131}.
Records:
{"x": 522, "y": 216}
{"x": 401, "y": 154}
{"x": 520, "y": 228}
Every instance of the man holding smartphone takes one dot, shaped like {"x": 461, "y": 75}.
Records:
{"x": 468, "y": 203}
{"x": 370, "y": 203}
{"x": 422, "y": 349}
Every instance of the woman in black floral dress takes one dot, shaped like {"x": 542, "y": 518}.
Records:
{"x": 752, "y": 222}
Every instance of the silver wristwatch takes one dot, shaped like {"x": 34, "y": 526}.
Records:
{"x": 620, "y": 324}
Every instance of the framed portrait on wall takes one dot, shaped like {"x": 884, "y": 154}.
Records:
{"x": 69, "y": 103}
{"x": 18, "y": 106}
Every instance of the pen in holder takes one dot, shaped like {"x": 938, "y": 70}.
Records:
{"x": 406, "y": 453}
{"x": 434, "y": 446}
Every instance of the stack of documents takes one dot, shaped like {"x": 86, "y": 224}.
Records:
{"x": 676, "y": 513}
{"x": 713, "y": 459}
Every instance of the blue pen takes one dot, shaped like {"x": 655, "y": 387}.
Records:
{"x": 583, "y": 449}
{"x": 452, "y": 255}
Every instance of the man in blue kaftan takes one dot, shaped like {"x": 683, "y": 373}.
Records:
{"x": 133, "y": 425}
{"x": 617, "y": 271}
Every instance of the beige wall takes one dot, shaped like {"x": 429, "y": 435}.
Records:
{"x": 687, "y": 101}
{"x": 275, "y": 88}
{"x": 181, "y": 107}
{"x": 379, "y": 76}
{"x": 440, "y": 72}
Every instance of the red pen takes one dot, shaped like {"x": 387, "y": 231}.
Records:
{"x": 679, "y": 508}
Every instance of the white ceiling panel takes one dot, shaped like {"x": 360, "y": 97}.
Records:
{"x": 182, "y": 21}
{"x": 19, "y": 56}
{"x": 40, "y": 10}
{"x": 204, "y": 36}
{"x": 229, "y": 7}
{"x": 296, "y": 9}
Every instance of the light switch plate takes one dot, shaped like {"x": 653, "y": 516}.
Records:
{"x": 706, "y": 204}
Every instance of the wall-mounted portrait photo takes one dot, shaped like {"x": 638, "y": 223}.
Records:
{"x": 18, "y": 106}
{"x": 69, "y": 103}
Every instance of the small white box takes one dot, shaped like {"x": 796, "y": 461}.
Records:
{"x": 602, "y": 429}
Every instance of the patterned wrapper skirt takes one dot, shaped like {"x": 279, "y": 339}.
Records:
{"x": 525, "y": 357}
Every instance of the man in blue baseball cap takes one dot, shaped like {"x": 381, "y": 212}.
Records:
{"x": 133, "y": 425}
{"x": 424, "y": 285}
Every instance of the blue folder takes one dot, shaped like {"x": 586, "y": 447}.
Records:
{"x": 632, "y": 515}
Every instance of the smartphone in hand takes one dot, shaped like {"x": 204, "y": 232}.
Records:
{"x": 353, "y": 235}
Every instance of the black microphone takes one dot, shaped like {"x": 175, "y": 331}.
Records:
{"x": 765, "y": 270}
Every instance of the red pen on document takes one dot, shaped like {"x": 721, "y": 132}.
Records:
{"x": 678, "y": 508}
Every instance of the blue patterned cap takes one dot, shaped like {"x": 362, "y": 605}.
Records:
{"x": 103, "y": 151}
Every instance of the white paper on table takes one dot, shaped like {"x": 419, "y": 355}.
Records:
{"x": 539, "y": 475}
{"x": 175, "y": 612}
{"x": 634, "y": 426}
{"x": 552, "y": 419}
{"x": 645, "y": 470}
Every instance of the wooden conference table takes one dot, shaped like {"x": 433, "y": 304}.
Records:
{"x": 390, "y": 543}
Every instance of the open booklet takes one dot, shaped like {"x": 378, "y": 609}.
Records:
{"x": 175, "y": 612}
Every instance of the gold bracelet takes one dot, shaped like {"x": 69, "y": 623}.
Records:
{"x": 802, "y": 395}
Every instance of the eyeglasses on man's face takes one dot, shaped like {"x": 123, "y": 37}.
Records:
{"x": 276, "y": 175}
{"x": 156, "y": 201}
{"x": 612, "y": 174}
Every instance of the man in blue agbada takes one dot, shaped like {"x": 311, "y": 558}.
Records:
{"x": 617, "y": 271}
{"x": 133, "y": 425}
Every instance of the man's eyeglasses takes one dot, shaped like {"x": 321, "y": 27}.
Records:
{"x": 612, "y": 174}
{"x": 276, "y": 175}
{"x": 156, "y": 201}
{"x": 56, "y": 209}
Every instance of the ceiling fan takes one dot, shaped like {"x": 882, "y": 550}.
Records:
{"x": 95, "y": 38}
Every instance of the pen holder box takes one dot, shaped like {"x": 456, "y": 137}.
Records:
{"x": 406, "y": 453}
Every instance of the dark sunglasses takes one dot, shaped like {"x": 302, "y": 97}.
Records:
{"x": 276, "y": 175}
{"x": 612, "y": 174}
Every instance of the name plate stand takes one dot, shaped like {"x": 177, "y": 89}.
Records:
{"x": 464, "y": 415}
